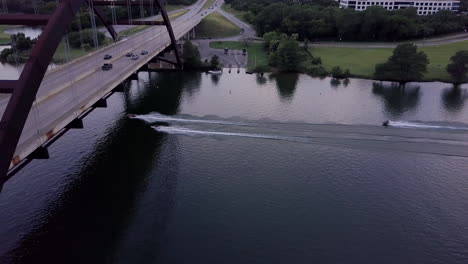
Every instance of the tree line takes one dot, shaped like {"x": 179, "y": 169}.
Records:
{"x": 408, "y": 64}
{"x": 23, "y": 45}
{"x": 319, "y": 21}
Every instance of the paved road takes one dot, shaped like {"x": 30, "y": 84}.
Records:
{"x": 233, "y": 58}
{"x": 120, "y": 28}
{"x": 69, "y": 90}
{"x": 248, "y": 32}
{"x": 250, "y": 35}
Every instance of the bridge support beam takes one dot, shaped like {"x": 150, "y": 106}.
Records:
{"x": 100, "y": 14}
{"x": 40, "y": 153}
{"x": 24, "y": 90}
{"x": 24, "y": 94}
{"x": 120, "y": 3}
{"x": 120, "y": 88}
{"x": 133, "y": 77}
{"x": 102, "y": 103}
{"x": 76, "y": 124}
{"x": 167, "y": 21}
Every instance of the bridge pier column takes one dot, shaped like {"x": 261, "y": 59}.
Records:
{"x": 102, "y": 103}
{"x": 120, "y": 88}
{"x": 134, "y": 76}
{"x": 40, "y": 153}
{"x": 76, "y": 124}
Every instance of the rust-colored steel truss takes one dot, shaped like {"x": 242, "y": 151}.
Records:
{"x": 23, "y": 91}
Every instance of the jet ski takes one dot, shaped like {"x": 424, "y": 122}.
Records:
{"x": 386, "y": 123}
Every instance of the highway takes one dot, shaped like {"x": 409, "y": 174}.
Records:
{"x": 69, "y": 90}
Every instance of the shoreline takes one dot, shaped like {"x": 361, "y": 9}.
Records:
{"x": 360, "y": 61}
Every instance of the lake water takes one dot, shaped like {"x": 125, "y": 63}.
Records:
{"x": 241, "y": 168}
{"x": 13, "y": 71}
{"x": 31, "y": 32}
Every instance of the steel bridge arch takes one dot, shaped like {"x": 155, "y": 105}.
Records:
{"x": 24, "y": 90}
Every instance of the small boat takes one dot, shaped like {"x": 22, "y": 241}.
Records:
{"x": 215, "y": 72}
{"x": 131, "y": 116}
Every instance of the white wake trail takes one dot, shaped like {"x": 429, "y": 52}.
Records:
{"x": 403, "y": 124}
{"x": 153, "y": 118}
{"x": 193, "y": 132}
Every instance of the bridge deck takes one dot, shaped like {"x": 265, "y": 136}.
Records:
{"x": 70, "y": 90}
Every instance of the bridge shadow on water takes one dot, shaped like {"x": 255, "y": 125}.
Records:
{"x": 162, "y": 92}
{"x": 397, "y": 100}
{"x": 91, "y": 219}
{"x": 453, "y": 98}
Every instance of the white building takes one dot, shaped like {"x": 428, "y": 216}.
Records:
{"x": 424, "y": 7}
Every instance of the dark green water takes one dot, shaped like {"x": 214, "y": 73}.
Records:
{"x": 245, "y": 169}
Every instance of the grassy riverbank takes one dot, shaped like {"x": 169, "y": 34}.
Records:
{"x": 216, "y": 26}
{"x": 60, "y": 55}
{"x": 360, "y": 61}
{"x": 133, "y": 30}
{"x": 239, "y": 14}
{"x": 137, "y": 29}
{"x": 208, "y": 4}
{"x": 176, "y": 15}
{"x": 4, "y": 37}
{"x": 170, "y": 8}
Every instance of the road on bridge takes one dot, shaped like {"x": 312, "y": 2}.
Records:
{"x": 69, "y": 90}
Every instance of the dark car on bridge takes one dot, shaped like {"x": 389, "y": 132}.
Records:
{"x": 129, "y": 54}
{"x": 107, "y": 57}
{"x": 144, "y": 52}
{"x": 106, "y": 66}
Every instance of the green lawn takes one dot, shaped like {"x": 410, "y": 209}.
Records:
{"x": 361, "y": 61}
{"x": 239, "y": 14}
{"x": 132, "y": 31}
{"x": 257, "y": 56}
{"x": 208, "y": 4}
{"x": 176, "y": 15}
{"x": 216, "y": 26}
{"x": 170, "y": 8}
{"x": 60, "y": 53}
{"x": 4, "y": 38}
{"x": 137, "y": 29}
{"x": 440, "y": 55}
